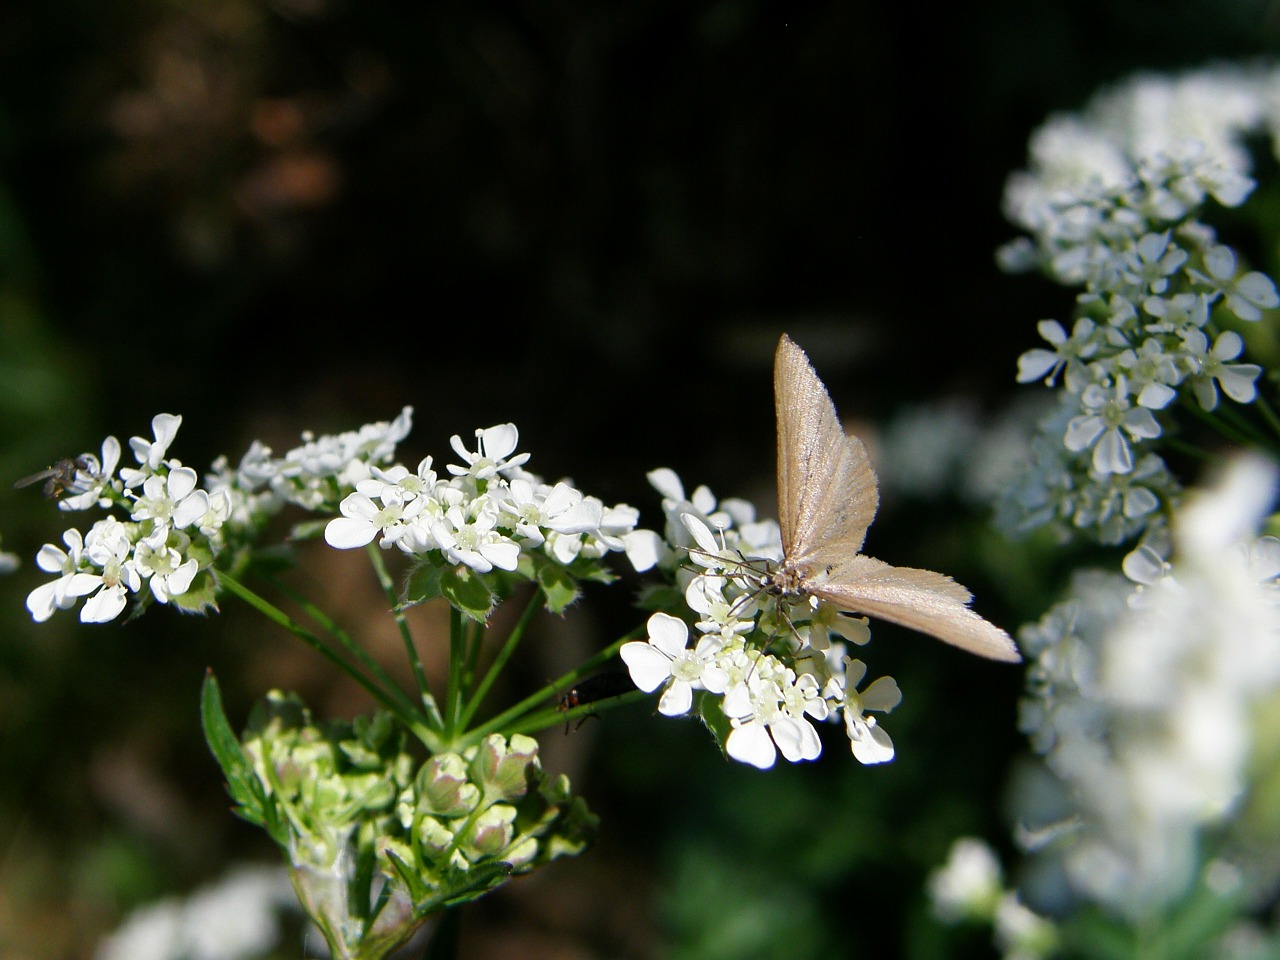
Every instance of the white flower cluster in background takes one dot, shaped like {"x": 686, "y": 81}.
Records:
{"x": 236, "y": 918}
{"x": 1112, "y": 203}
{"x": 486, "y": 512}
{"x": 1144, "y": 698}
{"x": 764, "y": 664}
{"x": 970, "y": 887}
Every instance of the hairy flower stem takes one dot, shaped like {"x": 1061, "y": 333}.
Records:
{"x": 500, "y": 661}
{"x": 406, "y": 635}
{"x": 507, "y": 719}
{"x": 345, "y": 641}
{"x": 390, "y": 701}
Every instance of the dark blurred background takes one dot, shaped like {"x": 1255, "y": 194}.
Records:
{"x": 594, "y": 219}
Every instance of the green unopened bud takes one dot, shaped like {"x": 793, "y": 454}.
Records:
{"x": 434, "y": 836}
{"x": 492, "y": 832}
{"x": 443, "y": 787}
{"x": 522, "y": 852}
{"x": 505, "y": 771}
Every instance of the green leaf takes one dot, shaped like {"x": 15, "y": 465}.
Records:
{"x": 201, "y": 597}
{"x": 559, "y": 588}
{"x": 423, "y": 584}
{"x": 467, "y": 592}
{"x": 713, "y": 717}
{"x": 242, "y": 782}
{"x": 464, "y": 887}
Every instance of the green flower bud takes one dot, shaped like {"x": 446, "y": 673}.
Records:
{"x": 505, "y": 771}
{"x": 443, "y": 788}
{"x": 491, "y": 832}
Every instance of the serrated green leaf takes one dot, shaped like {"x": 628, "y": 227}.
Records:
{"x": 242, "y": 782}
{"x": 423, "y": 584}
{"x": 465, "y": 887}
{"x": 418, "y": 891}
{"x": 467, "y": 592}
{"x": 200, "y": 598}
{"x": 558, "y": 587}
{"x": 713, "y": 717}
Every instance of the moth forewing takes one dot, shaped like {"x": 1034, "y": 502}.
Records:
{"x": 827, "y": 498}
{"x": 920, "y": 599}
{"x": 826, "y": 485}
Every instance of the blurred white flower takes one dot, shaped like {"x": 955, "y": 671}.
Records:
{"x": 236, "y": 918}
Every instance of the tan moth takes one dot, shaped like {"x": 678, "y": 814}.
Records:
{"x": 827, "y": 498}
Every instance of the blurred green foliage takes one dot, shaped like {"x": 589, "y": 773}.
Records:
{"x": 593, "y": 219}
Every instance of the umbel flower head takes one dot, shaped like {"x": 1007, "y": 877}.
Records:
{"x": 1113, "y": 203}
{"x": 1145, "y": 699}
{"x": 761, "y": 669}
{"x": 166, "y": 535}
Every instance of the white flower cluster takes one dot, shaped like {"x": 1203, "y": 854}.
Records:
{"x": 763, "y": 664}
{"x": 970, "y": 887}
{"x": 160, "y": 546}
{"x": 174, "y": 528}
{"x": 486, "y": 513}
{"x": 1112, "y": 204}
{"x": 236, "y": 918}
{"x": 315, "y": 475}
{"x": 1145, "y": 700}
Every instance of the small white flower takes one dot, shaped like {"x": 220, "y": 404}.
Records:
{"x": 868, "y": 741}
{"x": 1210, "y": 370}
{"x": 1108, "y": 418}
{"x": 473, "y": 540}
{"x": 1039, "y": 363}
{"x": 363, "y": 519}
{"x": 150, "y": 453}
{"x": 667, "y": 658}
{"x": 74, "y": 582}
{"x": 770, "y": 710}
{"x": 493, "y": 455}
{"x": 1247, "y": 295}
{"x": 164, "y": 569}
{"x": 1150, "y": 263}
{"x": 538, "y": 509}
{"x": 109, "y": 547}
{"x": 172, "y": 500}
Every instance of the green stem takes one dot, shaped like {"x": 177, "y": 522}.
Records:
{"x": 500, "y": 661}
{"x": 503, "y": 720}
{"x": 406, "y": 635}
{"x": 1268, "y": 414}
{"x": 1218, "y": 424}
{"x": 344, "y": 640}
{"x": 273, "y": 613}
{"x": 1234, "y": 416}
{"x": 1191, "y": 450}
{"x": 454, "y": 693}
{"x": 549, "y": 718}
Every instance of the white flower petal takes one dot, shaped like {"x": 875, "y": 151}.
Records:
{"x": 343, "y": 533}
{"x": 1112, "y": 454}
{"x": 874, "y": 747}
{"x": 649, "y": 669}
{"x": 751, "y": 744}
{"x": 668, "y": 634}
{"x": 1082, "y": 431}
{"x": 883, "y": 695}
{"x": 103, "y": 606}
{"x": 676, "y": 699}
